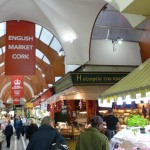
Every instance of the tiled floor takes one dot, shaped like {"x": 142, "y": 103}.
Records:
{"x": 15, "y": 144}
{"x": 22, "y": 144}
{"x": 71, "y": 144}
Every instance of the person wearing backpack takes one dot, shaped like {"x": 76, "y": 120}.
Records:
{"x": 46, "y": 137}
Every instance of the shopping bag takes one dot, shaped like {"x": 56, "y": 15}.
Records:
{"x": 57, "y": 145}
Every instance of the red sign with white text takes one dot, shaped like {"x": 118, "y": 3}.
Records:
{"x": 20, "y": 48}
{"x": 17, "y": 90}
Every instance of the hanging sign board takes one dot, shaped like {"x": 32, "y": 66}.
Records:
{"x": 20, "y": 48}
{"x": 17, "y": 91}
{"x": 29, "y": 105}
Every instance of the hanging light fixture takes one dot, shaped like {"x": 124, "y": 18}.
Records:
{"x": 61, "y": 52}
{"x": 80, "y": 104}
{"x": 116, "y": 41}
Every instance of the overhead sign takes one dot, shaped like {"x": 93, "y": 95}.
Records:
{"x": 29, "y": 105}
{"x": 17, "y": 90}
{"x": 20, "y": 48}
{"x": 96, "y": 78}
{"x": 88, "y": 79}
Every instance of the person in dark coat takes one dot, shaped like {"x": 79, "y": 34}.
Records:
{"x": 8, "y": 133}
{"x": 44, "y": 137}
{"x": 23, "y": 129}
{"x": 18, "y": 127}
{"x": 31, "y": 129}
{"x": 112, "y": 124}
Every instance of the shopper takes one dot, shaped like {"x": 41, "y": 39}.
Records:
{"x": 92, "y": 139}
{"x": 99, "y": 114}
{"x": 31, "y": 129}
{"x": 8, "y": 133}
{"x": 27, "y": 126}
{"x": 112, "y": 124}
{"x": 44, "y": 137}
{"x": 2, "y": 136}
{"x": 18, "y": 127}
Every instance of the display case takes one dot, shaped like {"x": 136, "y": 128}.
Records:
{"x": 131, "y": 139}
{"x": 68, "y": 131}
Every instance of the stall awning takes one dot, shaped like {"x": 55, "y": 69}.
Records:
{"x": 138, "y": 80}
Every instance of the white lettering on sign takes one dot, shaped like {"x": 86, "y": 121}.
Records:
{"x": 20, "y": 38}
{"x": 20, "y": 56}
{"x": 20, "y": 47}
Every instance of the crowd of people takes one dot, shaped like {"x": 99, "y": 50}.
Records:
{"x": 46, "y": 136}
{"x": 16, "y": 125}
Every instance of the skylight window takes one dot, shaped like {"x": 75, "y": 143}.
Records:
{"x": 1, "y": 51}
{"x": 2, "y": 64}
{"x": 37, "y": 67}
{"x": 46, "y": 36}
{"x": 39, "y": 54}
{"x": 38, "y": 31}
{"x": 2, "y": 28}
{"x": 56, "y": 45}
{"x": 4, "y": 49}
{"x": 46, "y": 60}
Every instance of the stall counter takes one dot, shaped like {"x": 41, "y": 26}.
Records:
{"x": 131, "y": 139}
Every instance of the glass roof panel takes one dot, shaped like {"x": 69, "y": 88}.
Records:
{"x": 37, "y": 30}
{"x": 39, "y": 54}
{"x": 46, "y": 36}
{"x": 1, "y": 51}
{"x": 56, "y": 45}
{"x": 38, "y": 68}
{"x": 2, "y": 28}
{"x": 1, "y": 64}
{"x": 46, "y": 60}
{"x": 4, "y": 49}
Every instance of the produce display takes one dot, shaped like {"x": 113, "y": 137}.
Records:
{"x": 137, "y": 120}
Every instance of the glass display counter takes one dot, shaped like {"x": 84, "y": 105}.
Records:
{"x": 67, "y": 131}
{"x": 131, "y": 139}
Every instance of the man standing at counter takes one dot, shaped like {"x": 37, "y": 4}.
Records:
{"x": 92, "y": 139}
{"x": 112, "y": 124}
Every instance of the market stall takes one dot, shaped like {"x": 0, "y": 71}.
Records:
{"x": 135, "y": 87}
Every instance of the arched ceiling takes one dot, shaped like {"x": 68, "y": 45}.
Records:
{"x": 72, "y": 22}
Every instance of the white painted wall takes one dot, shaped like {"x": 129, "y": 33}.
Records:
{"x": 127, "y": 53}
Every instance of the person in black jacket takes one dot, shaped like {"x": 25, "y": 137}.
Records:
{"x": 8, "y": 133}
{"x": 31, "y": 129}
{"x": 44, "y": 137}
{"x": 112, "y": 124}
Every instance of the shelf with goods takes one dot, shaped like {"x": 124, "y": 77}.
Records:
{"x": 123, "y": 114}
